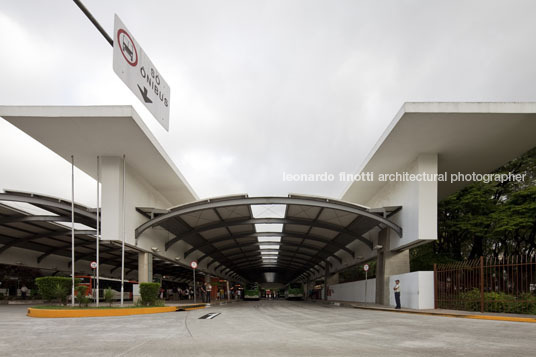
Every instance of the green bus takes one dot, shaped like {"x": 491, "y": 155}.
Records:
{"x": 252, "y": 291}
{"x": 294, "y": 291}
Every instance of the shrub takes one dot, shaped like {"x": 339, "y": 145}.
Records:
{"x": 60, "y": 293}
{"x": 498, "y": 302}
{"x": 149, "y": 293}
{"x": 81, "y": 295}
{"x": 34, "y": 294}
{"x": 109, "y": 296}
{"x": 55, "y": 287}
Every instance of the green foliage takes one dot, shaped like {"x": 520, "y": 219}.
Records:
{"x": 159, "y": 303}
{"x": 423, "y": 258}
{"x": 81, "y": 298}
{"x": 109, "y": 296}
{"x": 55, "y": 287}
{"x": 34, "y": 293}
{"x": 2, "y": 296}
{"x": 497, "y": 302}
{"x": 489, "y": 219}
{"x": 356, "y": 272}
{"x": 60, "y": 292}
{"x": 149, "y": 293}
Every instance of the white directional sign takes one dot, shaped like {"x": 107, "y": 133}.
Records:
{"x": 133, "y": 66}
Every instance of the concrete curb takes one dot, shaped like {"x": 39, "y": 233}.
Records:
{"x": 53, "y": 313}
{"x": 429, "y": 313}
{"x": 443, "y": 314}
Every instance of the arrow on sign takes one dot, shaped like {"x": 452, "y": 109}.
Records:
{"x": 144, "y": 94}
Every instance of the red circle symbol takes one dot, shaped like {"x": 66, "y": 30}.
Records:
{"x": 193, "y": 264}
{"x": 127, "y": 47}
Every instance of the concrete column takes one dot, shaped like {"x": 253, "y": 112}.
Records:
{"x": 112, "y": 204}
{"x": 388, "y": 263}
{"x": 333, "y": 279}
{"x": 145, "y": 267}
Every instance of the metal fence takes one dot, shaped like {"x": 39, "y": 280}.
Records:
{"x": 487, "y": 285}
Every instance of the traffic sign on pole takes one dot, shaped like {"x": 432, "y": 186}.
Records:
{"x": 137, "y": 71}
{"x": 93, "y": 265}
{"x": 193, "y": 265}
{"x": 366, "y": 268}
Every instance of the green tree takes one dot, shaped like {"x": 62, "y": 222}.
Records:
{"x": 490, "y": 219}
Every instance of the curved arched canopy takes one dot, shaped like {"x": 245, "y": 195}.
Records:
{"x": 42, "y": 232}
{"x": 308, "y": 232}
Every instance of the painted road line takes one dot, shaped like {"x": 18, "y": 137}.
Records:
{"x": 210, "y": 316}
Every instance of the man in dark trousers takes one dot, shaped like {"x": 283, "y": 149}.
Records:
{"x": 397, "y": 293}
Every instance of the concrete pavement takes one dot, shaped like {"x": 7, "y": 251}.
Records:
{"x": 267, "y": 328}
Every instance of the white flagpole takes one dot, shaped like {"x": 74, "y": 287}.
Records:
{"x": 123, "y": 243}
{"x": 98, "y": 227}
{"x": 72, "y": 230}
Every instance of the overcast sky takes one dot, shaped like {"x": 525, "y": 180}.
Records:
{"x": 259, "y": 88}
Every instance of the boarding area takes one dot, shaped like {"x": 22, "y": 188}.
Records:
{"x": 261, "y": 274}
{"x": 275, "y": 327}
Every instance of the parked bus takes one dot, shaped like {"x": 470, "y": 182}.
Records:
{"x": 104, "y": 283}
{"x": 252, "y": 291}
{"x": 294, "y": 291}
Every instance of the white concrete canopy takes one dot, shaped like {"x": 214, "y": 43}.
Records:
{"x": 467, "y": 137}
{"x": 113, "y": 131}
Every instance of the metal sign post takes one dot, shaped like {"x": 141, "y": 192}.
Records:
{"x": 366, "y": 268}
{"x": 193, "y": 265}
{"x": 98, "y": 230}
{"x": 72, "y": 230}
{"x": 123, "y": 233}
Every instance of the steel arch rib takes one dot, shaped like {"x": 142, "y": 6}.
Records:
{"x": 50, "y": 202}
{"x": 204, "y": 205}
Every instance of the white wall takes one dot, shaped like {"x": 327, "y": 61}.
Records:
{"x": 416, "y": 289}
{"x": 354, "y": 291}
{"x": 418, "y": 217}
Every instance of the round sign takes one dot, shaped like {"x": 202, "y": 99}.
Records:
{"x": 127, "y": 47}
{"x": 93, "y": 265}
{"x": 193, "y": 264}
{"x": 365, "y": 267}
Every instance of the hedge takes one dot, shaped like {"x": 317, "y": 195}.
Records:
{"x": 149, "y": 293}
{"x": 54, "y": 287}
{"x": 498, "y": 302}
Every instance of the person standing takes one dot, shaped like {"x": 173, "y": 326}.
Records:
{"x": 24, "y": 291}
{"x": 209, "y": 292}
{"x": 397, "y": 294}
